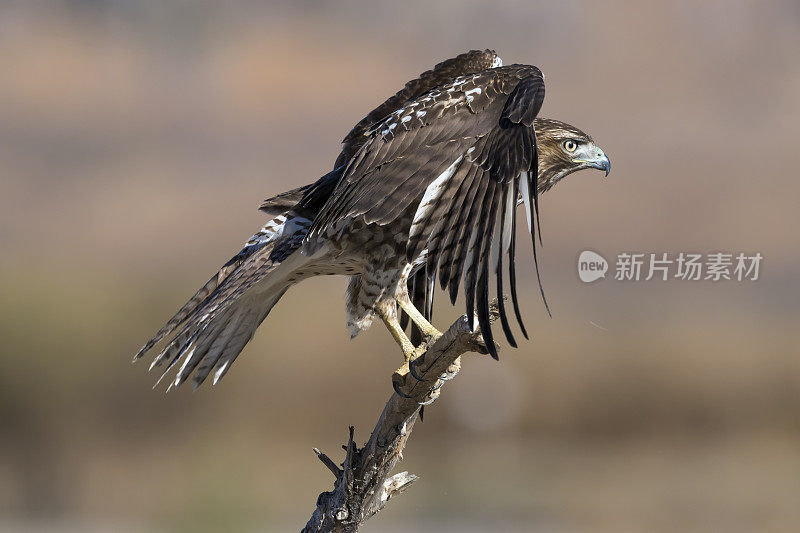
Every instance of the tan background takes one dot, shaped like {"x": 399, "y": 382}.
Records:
{"x": 137, "y": 138}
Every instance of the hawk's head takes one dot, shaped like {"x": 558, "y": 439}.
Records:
{"x": 564, "y": 149}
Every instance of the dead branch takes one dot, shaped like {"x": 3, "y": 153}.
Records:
{"x": 363, "y": 484}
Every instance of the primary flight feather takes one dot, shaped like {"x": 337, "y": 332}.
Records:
{"x": 426, "y": 186}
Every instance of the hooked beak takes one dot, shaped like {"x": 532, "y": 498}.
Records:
{"x": 601, "y": 162}
{"x": 596, "y": 159}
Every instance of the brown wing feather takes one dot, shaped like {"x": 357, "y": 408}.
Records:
{"x": 405, "y": 151}
{"x": 283, "y": 202}
{"x": 475, "y": 132}
{"x": 444, "y": 72}
{"x": 441, "y": 74}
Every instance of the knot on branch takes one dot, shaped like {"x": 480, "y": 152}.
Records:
{"x": 363, "y": 484}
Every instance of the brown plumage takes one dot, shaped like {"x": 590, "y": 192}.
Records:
{"x": 555, "y": 163}
{"x": 426, "y": 183}
{"x": 443, "y": 73}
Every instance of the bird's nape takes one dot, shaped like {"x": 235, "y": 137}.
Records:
{"x": 426, "y": 186}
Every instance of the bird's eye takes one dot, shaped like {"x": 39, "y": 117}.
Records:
{"x": 570, "y": 145}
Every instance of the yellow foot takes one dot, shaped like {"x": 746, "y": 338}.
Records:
{"x": 410, "y": 356}
{"x": 427, "y": 329}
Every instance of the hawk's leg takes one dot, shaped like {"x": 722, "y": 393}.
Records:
{"x": 389, "y": 317}
{"x": 427, "y": 329}
{"x": 388, "y": 313}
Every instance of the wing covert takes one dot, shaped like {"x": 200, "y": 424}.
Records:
{"x": 456, "y": 154}
{"x": 441, "y": 74}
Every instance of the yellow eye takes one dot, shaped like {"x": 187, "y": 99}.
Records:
{"x": 570, "y": 145}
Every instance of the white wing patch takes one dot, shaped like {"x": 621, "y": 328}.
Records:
{"x": 432, "y": 192}
{"x": 274, "y": 230}
{"x": 495, "y": 249}
{"x": 523, "y": 188}
{"x": 510, "y": 209}
{"x": 446, "y": 96}
{"x": 468, "y": 94}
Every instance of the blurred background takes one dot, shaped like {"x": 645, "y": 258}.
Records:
{"x": 137, "y": 139}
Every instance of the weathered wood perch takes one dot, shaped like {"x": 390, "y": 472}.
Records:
{"x": 363, "y": 485}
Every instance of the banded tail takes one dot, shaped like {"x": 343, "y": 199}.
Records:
{"x": 213, "y": 327}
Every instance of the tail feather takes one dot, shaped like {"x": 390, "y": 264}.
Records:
{"x": 265, "y": 237}
{"x": 218, "y": 345}
{"x": 179, "y": 351}
{"x": 238, "y": 342}
{"x": 187, "y": 309}
{"x": 221, "y": 318}
{"x": 201, "y": 346}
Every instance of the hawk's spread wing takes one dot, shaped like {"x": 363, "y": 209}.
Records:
{"x": 444, "y": 72}
{"x": 460, "y": 153}
{"x": 441, "y": 74}
{"x": 210, "y": 330}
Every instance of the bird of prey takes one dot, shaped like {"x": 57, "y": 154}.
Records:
{"x": 426, "y": 186}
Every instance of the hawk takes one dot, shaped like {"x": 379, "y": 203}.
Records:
{"x": 426, "y": 187}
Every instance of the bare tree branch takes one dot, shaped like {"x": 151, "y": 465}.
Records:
{"x": 363, "y": 485}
